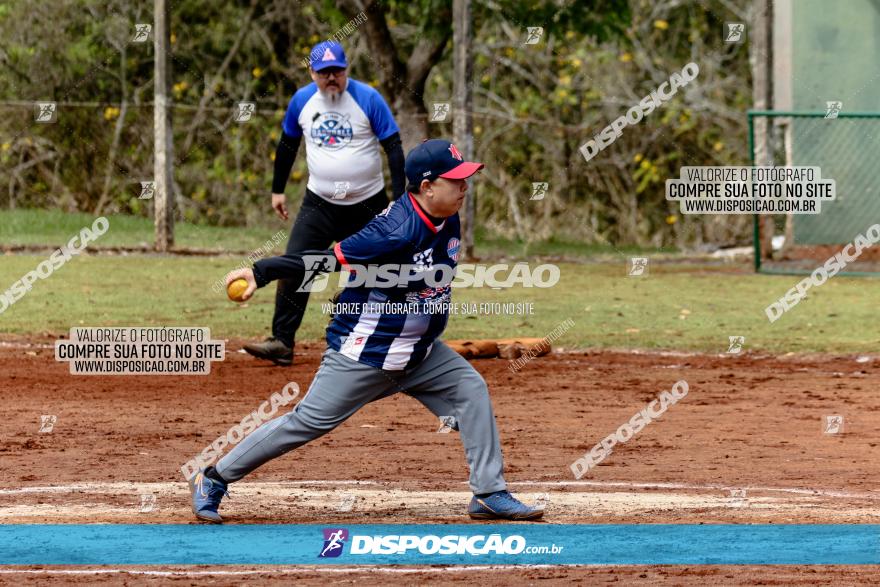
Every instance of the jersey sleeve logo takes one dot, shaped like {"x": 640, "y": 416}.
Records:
{"x": 452, "y": 248}
{"x": 332, "y": 130}
{"x": 387, "y": 209}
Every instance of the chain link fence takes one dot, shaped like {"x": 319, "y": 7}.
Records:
{"x": 844, "y": 146}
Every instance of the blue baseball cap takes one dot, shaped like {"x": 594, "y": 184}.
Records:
{"x": 437, "y": 158}
{"x": 327, "y": 54}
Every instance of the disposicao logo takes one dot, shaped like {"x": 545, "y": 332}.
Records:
{"x": 473, "y": 545}
{"x": 334, "y": 540}
{"x": 411, "y": 544}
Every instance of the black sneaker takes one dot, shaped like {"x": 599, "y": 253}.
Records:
{"x": 271, "y": 349}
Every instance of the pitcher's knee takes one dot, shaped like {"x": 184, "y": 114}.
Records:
{"x": 473, "y": 389}
{"x": 302, "y": 418}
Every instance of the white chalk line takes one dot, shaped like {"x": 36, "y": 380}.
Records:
{"x": 126, "y": 487}
{"x": 709, "y": 487}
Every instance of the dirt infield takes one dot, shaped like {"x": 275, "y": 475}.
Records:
{"x": 749, "y": 422}
{"x": 484, "y": 576}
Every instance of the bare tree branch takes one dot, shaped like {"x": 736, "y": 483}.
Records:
{"x": 209, "y": 91}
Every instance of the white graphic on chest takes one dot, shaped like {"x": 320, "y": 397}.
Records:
{"x": 424, "y": 260}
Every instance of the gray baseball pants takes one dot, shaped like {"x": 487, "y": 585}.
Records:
{"x": 444, "y": 382}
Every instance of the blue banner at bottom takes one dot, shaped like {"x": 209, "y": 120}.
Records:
{"x": 471, "y": 544}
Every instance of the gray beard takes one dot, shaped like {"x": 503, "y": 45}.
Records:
{"x": 334, "y": 97}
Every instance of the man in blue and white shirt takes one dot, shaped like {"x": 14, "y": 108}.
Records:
{"x": 343, "y": 123}
{"x": 374, "y": 354}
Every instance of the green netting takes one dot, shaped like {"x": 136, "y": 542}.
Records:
{"x": 846, "y": 149}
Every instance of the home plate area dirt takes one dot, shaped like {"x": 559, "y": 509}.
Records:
{"x": 749, "y": 443}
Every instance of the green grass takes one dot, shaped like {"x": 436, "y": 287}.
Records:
{"x": 675, "y": 307}
{"x": 54, "y": 228}
{"x": 495, "y": 247}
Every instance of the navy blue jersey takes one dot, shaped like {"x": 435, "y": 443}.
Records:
{"x": 396, "y": 339}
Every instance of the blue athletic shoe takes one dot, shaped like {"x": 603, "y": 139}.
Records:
{"x": 206, "y": 496}
{"x": 502, "y": 505}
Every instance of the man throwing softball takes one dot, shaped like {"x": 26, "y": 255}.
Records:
{"x": 343, "y": 122}
{"x": 371, "y": 354}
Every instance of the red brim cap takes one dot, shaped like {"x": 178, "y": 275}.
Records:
{"x": 463, "y": 171}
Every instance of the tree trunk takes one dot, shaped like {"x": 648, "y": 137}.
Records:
{"x": 163, "y": 158}
{"x": 402, "y": 84}
{"x": 760, "y": 46}
{"x": 463, "y": 110}
{"x": 412, "y": 118}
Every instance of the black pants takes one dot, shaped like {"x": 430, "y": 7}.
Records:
{"x": 318, "y": 224}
